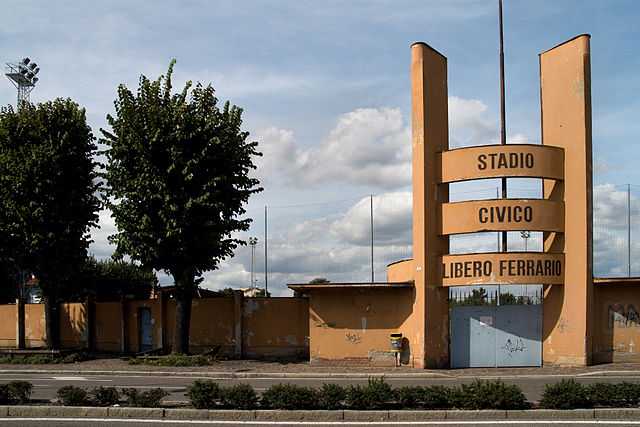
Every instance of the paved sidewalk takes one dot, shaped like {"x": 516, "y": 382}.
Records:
{"x": 251, "y": 368}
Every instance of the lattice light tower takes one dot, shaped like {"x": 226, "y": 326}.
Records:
{"x": 23, "y": 76}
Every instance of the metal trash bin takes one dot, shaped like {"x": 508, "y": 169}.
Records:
{"x": 396, "y": 341}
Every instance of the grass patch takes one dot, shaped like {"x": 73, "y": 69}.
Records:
{"x": 43, "y": 359}
{"x": 173, "y": 360}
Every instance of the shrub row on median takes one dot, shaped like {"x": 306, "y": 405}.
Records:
{"x": 376, "y": 394}
{"x": 569, "y": 394}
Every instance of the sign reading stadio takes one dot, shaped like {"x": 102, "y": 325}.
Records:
{"x": 491, "y": 161}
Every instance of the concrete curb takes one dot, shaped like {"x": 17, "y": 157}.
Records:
{"x": 34, "y": 411}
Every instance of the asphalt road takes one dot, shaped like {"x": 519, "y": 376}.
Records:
{"x": 140, "y": 423}
{"x": 46, "y": 385}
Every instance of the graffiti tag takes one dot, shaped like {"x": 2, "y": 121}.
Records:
{"x": 623, "y": 317}
{"x": 353, "y": 338}
{"x": 511, "y": 347}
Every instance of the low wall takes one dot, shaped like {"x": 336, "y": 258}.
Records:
{"x": 617, "y": 323}
{"x": 73, "y": 325}
{"x": 355, "y": 324}
{"x": 234, "y": 326}
{"x": 275, "y": 327}
{"x": 7, "y": 327}
{"x": 34, "y": 325}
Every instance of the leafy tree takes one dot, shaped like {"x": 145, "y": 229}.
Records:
{"x": 318, "y": 281}
{"x": 109, "y": 280}
{"x": 48, "y": 195}
{"x": 178, "y": 178}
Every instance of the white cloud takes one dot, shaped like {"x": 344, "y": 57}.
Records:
{"x": 368, "y": 147}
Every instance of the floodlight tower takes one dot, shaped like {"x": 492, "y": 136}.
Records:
{"x": 23, "y": 76}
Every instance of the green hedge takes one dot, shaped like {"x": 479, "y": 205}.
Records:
{"x": 15, "y": 392}
{"x": 376, "y": 394}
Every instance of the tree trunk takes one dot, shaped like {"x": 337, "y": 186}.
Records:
{"x": 183, "y": 295}
{"x": 52, "y": 321}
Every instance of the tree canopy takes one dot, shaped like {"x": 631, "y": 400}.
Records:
{"x": 48, "y": 195}
{"x": 178, "y": 177}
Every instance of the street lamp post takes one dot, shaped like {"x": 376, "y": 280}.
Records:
{"x": 253, "y": 241}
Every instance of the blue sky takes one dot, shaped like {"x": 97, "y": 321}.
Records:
{"x": 325, "y": 89}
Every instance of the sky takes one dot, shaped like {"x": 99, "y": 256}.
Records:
{"x": 326, "y": 93}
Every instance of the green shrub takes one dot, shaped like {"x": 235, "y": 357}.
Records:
{"x": 331, "y": 396}
{"x": 105, "y": 396}
{"x": 435, "y": 397}
{"x": 73, "y": 396}
{"x": 75, "y": 357}
{"x": 20, "y": 391}
{"x": 240, "y": 396}
{"x": 488, "y": 395}
{"x": 614, "y": 395}
{"x": 204, "y": 394}
{"x": 377, "y": 394}
{"x": 146, "y": 399}
{"x": 289, "y": 396}
{"x": 567, "y": 394}
{"x": 180, "y": 360}
{"x": 409, "y": 397}
{"x": 4, "y": 394}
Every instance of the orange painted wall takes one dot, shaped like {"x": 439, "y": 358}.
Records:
{"x": 108, "y": 326}
{"x": 617, "y": 323}
{"x": 73, "y": 325}
{"x": 34, "y": 326}
{"x": 354, "y": 324}
{"x": 275, "y": 327}
{"x": 8, "y": 325}
{"x": 211, "y": 324}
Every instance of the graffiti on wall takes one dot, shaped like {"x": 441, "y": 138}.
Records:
{"x": 621, "y": 316}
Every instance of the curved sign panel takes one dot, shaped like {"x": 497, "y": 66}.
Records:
{"x": 502, "y": 215}
{"x": 492, "y": 161}
{"x": 503, "y": 268}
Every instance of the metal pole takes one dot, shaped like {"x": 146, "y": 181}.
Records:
{"x": 266, "y": 265}
{"x": 503, "y": 127}
{"x": 253, "y": 251}
{"x": 629, "y": 228}
{"x": 371, "y": 210}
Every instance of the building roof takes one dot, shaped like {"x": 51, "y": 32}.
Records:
{"x": 348, "y": 285}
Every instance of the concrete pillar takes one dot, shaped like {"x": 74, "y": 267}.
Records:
{"x": 565, "y": 89}
{"x": 20, "y": 337}
{"x": 123, "y": 325}
{"x": 90, "y": 309}
{"x": 428, "y": 330}
{"x": 238, "y": 302}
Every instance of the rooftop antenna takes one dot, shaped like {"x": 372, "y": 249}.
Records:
{"x": 503, "y": 128}
{"x": 23, "y": 76}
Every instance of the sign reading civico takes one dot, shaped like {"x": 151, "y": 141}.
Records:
{"x": 498, "y": 215}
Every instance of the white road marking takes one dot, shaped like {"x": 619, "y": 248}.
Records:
{"x": 76, "y": 379}
{"x": 260, "y": 423}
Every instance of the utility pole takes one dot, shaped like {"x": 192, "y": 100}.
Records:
{"x": 252, "y": 242}
{"x": 266, "y": 265}
{"x": 371, "y": 211}
{"x": 629, "y": 229}
{"x": 503, "y": 126}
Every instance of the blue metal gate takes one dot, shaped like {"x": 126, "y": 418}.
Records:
{"x": 496, "y": 336}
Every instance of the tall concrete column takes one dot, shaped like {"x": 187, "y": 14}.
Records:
{"x": 565, "y": 90}
{"x": 429, "y": 328}
{"x": 20, "y": 336}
